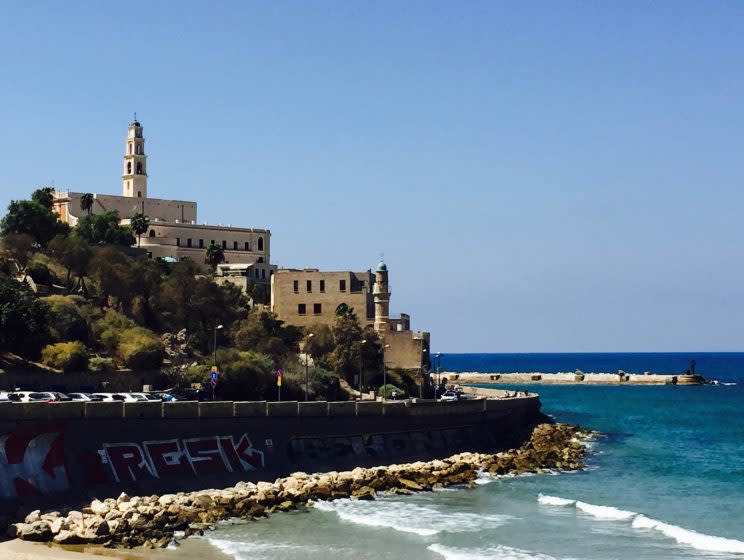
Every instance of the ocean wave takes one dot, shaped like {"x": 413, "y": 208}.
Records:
{"x": 691, "y": 538}
{"x": 252, "y": 550}
{"x": 498, "y": 552}
{"x": 688, "y": 537}
{"x": 483, "y": 478}
{"x": 425, "y": 521}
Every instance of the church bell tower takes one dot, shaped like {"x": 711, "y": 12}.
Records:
{"x": 134, "y": 178}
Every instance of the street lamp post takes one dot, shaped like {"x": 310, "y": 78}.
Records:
{"x": 214, "y": 356}
{"x": 384, "y": 372}
{"x": 306, "y": 357}
{"x": 439, "y": 374}
{"x": 361, "y": 348}
{"x": 423, "y": 362}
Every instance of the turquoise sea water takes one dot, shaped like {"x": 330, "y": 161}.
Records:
{"x": 664, "y": 481}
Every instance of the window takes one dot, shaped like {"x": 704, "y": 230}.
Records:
{"x": 178, "y": 241}
{"x": 260, "y": 259}
{"x": 139, "y": 168}
{"x": 139, "y": 194}
{"x": 296, "y": 285}
{"x": 316, "y": 309}
{"x": 224, "y": 244}
{"x": 201, "y": 244}
{"x": 188, "y": 242}
{"x": 129, "y": 167}
{"x": 152, "y": 233}
{"x": 263, "y": 274}
{"x": 139, "y": 149}
{"x": 235, "y": 245}
{"x": 342, "y": 285}
{"x": 256, "y": 273}
{"x": 130, "y": 147}
{"x": 309, "y": 285}
{"x": 211, "y": 242}
{"x": 260, "y": 243}
{"x": 301, "y": 309}
{"x": 247, "y": 246}
{"x": 322, "y": 286}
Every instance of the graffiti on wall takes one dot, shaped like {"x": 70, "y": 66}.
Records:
{"x": 128, "y": 462}
{"x": 32, "y": 461}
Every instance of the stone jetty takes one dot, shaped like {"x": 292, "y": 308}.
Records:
{"x": 572, "y": 378}
{"x": 155, "y": 521}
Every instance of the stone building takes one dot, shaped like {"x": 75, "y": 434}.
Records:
{"x": 174, "y": 231}
{"x": 305, "y": 297}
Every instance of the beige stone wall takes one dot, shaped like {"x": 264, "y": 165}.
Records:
{"x": 406, "y": 349}
{"x": 285, "y": 301}
{"x": 67, "y": 205}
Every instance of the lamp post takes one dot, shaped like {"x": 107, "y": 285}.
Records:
{"x": 214, "y": 356}
{"x": 423, "y": 362}
{"x": 439, "y": 374}
{"x": 384, "y": 372}
{"x": 361, "y": 349}
{"x": 306, "y": 358}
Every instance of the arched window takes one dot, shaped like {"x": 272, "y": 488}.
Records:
{"x": 129, "y": 167}
{"x": 260, "y": 243}
{"x": 152, "y": 233}
{"x": 139, "y": 194}
{"x": 130, "y": 148}
{"x": 139, "y": 168}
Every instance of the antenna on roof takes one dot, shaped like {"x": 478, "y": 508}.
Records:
{"x": 135, "y": 115}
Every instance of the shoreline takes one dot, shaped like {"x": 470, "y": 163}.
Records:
{"x": 571, "y": 378}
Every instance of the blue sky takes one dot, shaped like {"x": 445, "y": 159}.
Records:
{"x": 541, "y": 176}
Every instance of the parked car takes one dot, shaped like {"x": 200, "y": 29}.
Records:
{"x": 147, "y": 396}
{"x": 37, "y": 396}
{"x": 191, "y": 395}
{"x": 83, "y": 397}
{"x": 114, "y": 397}
{"x": 449, "y": 396}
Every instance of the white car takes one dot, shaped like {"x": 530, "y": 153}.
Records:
{"x": 146, "y": 397}
{"x": 34, "y": 396}
{"x": 449, "y": 396}
{"x": 118, "y": 397}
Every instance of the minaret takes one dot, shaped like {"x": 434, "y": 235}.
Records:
{"x": 134, "y": 178}
{"x": 381, "y": 293}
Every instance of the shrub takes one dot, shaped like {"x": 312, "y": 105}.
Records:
{"x": 387, "y": 391}
{"x": 66, "y": 321}
{"x": 97, "y": 363}
{"x": 140, "y": 349}
{"x": 67, "y": 356}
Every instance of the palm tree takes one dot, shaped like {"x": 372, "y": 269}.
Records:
{"x": 139, "y": 223}
{"x": 86, "y": 202}
{"x": 214, "y": 256}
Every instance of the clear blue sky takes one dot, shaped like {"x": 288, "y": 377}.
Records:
{"x": 541, "y": 176}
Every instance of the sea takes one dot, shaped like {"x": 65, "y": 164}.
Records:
{"x": 664, "y": 479}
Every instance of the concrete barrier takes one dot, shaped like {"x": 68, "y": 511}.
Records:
{"x": 67, "y": 409}
{"x": 249, "y": 408}
{"x": 150, "y": 409}
{"x": 181, "y": 409}
{"x": 421, "y": 407}
{"x": 313, "y": 408}
{"x": 216, "y": 409}
{"x": 342, "y": 408}
{"x": 287, "y": 408}
{"x": 104, "y": 409}
{"x": 369, "y": 408}
{"x": 394, "y": 408}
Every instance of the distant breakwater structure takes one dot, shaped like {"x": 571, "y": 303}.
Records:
{"x": 155, "y": 521}
{"x": 573, "y": 378}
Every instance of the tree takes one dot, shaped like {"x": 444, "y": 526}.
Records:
{"x": 43, "y": 197}
{"x": 214, "y": 256}
{"x": 139, "y": 224}
{"x": 27, "y": 216}
{"x": 18, "y": 248}
{"x": 104, "y": 228}
{"x": 347, "y": 336}
{"x": 86, "y": 203}
{"x": 73, "y": 253}
{"x": 23, "y": 319}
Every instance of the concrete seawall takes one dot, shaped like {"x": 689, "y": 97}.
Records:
{"x": 573, "y": 378}
{"x": 65, "y": 451}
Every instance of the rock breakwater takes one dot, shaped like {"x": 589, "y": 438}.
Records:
{"x": 155, "y": 521}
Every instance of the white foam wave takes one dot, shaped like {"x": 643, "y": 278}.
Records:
{"x": 424, "y": 521}
{"x": 483, "y": 478}
{"x": 499, "y": 552}
{"x": 688, "y": 537}
{"x": 605, "y": 512}
{"x": 554, "y": 501}
{"x": 683, "y": 536}
{"x": 241, "y": 550}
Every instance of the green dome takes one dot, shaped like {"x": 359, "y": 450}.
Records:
{"x": 381, "y": 267}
